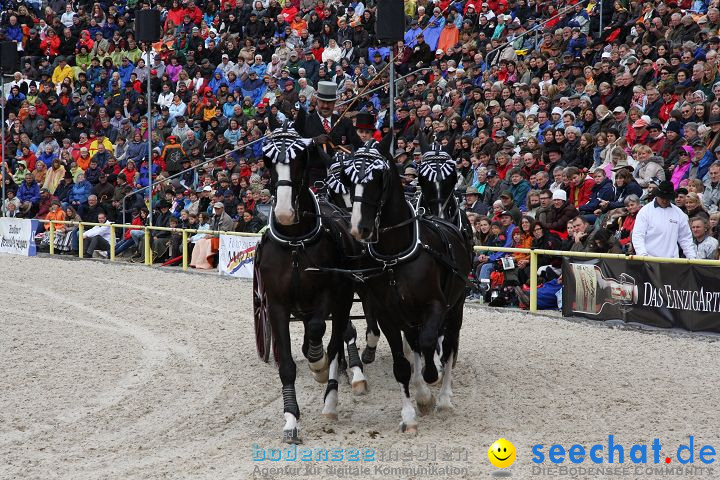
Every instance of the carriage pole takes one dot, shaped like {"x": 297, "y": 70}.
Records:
{"x": 2, "y": 137}
{"x": 150, "y": 160}
{"x": 392, "y": 95}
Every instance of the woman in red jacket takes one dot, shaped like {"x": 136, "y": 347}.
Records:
{"x": 51, "y": 43}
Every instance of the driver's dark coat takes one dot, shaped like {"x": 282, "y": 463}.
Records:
{"x": 342, "y": 133}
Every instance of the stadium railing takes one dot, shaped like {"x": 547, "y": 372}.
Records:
{"x": 562, "y": 253}
{"x": 146, "y": 238}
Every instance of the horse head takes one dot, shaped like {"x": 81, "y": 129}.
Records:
{"x": 285, "y": 153}
{"x": 367, "y": 172}
{"x": 437, "y": 177}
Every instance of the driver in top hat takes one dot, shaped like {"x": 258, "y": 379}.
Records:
{"x": 328, "y": 130}
{"x": 365, "y": 126}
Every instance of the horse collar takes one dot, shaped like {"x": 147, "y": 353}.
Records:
{"x": 409, "y": 253}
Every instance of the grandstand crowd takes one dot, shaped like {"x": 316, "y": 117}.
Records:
{"x": 567, "y": 119}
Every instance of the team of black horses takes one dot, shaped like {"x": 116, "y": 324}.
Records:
{"x": 408, "y": 260}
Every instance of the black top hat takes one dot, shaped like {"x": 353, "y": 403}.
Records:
{"x": 665, "y": 190}
{"x": 365, "y": 121}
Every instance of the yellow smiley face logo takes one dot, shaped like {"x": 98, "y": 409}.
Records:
{"x": 502, "y": 453}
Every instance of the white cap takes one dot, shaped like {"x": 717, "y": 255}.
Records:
{"x": 557, "y": 111}
{"x": 560, "y": 194}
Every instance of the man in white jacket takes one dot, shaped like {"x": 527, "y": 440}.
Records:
{"x": 98, "y": 237}
{"x": 660, "y": 226}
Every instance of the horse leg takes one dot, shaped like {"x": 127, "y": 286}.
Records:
{"x": 340, "y": 323}
{"x": 331, "y": 392}
{"x": 280, "y": 322}
{"x": 359, "y": 382}
{"x": 401, "y": 370}
{"x": 316, "y": 355}
{"x": 407, "y": 350}
{"x": 450, "y": 343}
{"x": 428, "y": 340}
{"x": 444, "y": 402}
{"x": 423, "y": 395}
{"x": 372, "y": 336}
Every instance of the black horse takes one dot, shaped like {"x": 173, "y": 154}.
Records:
{"x": 419, "y": 286}
{"x": 302, "y": 236}
{"x": 437, "y": 177}
{"x": 339, "y": 196}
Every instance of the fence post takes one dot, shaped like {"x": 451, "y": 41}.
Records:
{"x": 185, "y": 250}
{"x": 112, "y": 242}
{"x": 148, "y": 250}
{"x": 533, "y": 281}
{"x": 81, "y": 240}
{"x": 52, "y": 238}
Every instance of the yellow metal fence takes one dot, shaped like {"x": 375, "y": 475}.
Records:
{"x": 557, "y": 253}
{"x": 146, "y": 238}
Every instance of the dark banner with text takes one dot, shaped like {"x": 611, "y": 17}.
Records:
{"x": 658, "y": 294}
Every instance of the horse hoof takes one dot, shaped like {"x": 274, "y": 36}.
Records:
{"x": 360, "y": 388}
{"x": 321, "y": 376}
{"x": 444, "y": 405}
{"x": 333, "y": 417}
{"x": 368, "y": 355}
{"x": 292, "y": 437}
{"x": 427, "y": 408}
{"x": 409, "y": 428}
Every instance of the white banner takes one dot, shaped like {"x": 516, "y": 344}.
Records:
{"x": 237, "y": 255}
{"x": 17, "y": 236}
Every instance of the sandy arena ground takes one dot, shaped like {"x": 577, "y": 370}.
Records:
{"x": 116, "y": 371}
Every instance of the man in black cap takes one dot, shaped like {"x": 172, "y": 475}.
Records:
{"x": 311, "y": 66}
{"x": 495, "y": 186}
{"x": 673, "y": 141}
{"x": 327, "y": 129}
{"x": 422, "y": 55}
{"x": 660, "y": 226}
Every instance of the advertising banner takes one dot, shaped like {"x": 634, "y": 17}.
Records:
{"x": 237, "y": 255}
{"x": 17, "y": 236}
{"x": 658, "y": 294}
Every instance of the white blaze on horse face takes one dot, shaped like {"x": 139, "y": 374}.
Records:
{"x": 283, "y": 206}
{"x": 441, "y": 214}
{"x": 347, "y": 200}
{"x": 356, "y": 213}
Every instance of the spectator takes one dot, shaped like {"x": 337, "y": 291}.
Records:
{"x": 472, "y": 204}
{"x": 660, "y": 226}
{"x": 560, "y": 214}
{"x": 602, "y": 191}
{"x": 98, "y": 238}
{"x": 633, "y": 205}
{"x": 705, "y": 246}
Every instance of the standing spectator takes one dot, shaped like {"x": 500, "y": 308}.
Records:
{"x": 660, "y": 226}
